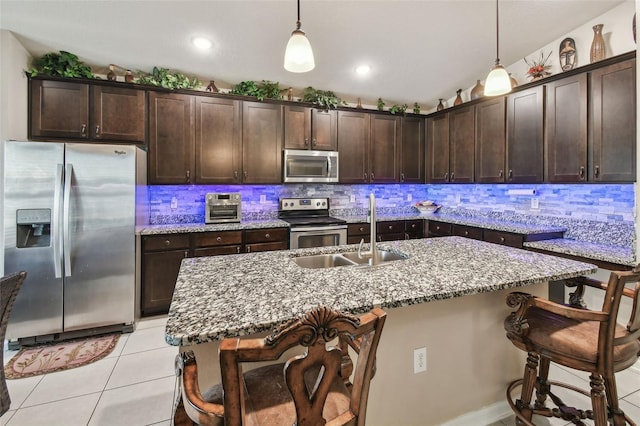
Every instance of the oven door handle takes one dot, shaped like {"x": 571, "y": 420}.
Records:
{"x": 318, "y": 228}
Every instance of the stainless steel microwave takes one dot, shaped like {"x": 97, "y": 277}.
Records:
{"x": 306, "y": 166}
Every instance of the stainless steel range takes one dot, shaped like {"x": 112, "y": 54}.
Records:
{"x": 311, "y": 225}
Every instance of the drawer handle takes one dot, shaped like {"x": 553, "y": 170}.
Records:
{"x": 167, "y": 243}
{"x": 267, "y": 236}
{"x": 238, "y": 249}
{"x": 306, "y": 141}
{"x": 98, "y": 131}
{"x": 83, "y": 130}
{"x": 597, "y": 171}
{"x": 186, "y": 253}
{"x": 510, "y": 174}
{"x": 372, "y": 177}
{"x": 401, "y": 177}
{"x": 581, "y": 172}
{"x": 219, "y": 239}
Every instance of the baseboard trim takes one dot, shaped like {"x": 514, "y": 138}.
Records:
{"x": 484, "y": 416}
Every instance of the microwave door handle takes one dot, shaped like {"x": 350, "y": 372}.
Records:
{"x": 55, "y": 228}
{"x": 67, "y": 222}
{"x": 328, "y": 166}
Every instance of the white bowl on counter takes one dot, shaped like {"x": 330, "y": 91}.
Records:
{"x": 427, "y": 209}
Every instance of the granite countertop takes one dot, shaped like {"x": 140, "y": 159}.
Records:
{"x": 225, "y": 296}
{"x": 605, "y": 252}
{"x": 182, "y": 228}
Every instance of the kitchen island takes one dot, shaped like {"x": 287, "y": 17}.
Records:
{"x": 447, "y": 296}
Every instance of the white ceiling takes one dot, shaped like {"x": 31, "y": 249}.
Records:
{"x": 419, "y": 50}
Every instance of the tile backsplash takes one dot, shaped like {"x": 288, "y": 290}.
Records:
{"x": 592, "y": 202}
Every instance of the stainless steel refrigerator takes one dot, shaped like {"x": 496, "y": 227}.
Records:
{"x": 69, "y": 221}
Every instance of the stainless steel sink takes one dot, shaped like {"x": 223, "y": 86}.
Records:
{"x": 345, "y": 259}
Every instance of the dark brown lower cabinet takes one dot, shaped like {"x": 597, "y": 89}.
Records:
{"x": 357, "y": 232}
{"x": 266, "y": 239}
{"x": 386, "y": 231}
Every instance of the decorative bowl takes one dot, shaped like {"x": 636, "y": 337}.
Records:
{"x": 427, "y": 209}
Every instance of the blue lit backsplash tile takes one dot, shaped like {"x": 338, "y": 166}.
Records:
{"x": 590, "y": 212}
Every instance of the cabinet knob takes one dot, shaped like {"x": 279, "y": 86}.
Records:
{"x": 186, "y": 253}
{"x": 219, "y": 239}
{"x": 502, "y": 239}
{"x": 596, "y": 172}
{"x": 361, "y": 228}
{"x": 446, "y": 177}
{"x": 83, "y": 130}
{"x": 401, "y": 177}
{"x": 372, "y": 176}
{"x": 413, "y": 225}
{"x": 167, "y": 243}
{"x": 437, "y": 228}
{"x": 306, "y": 141}
{"x": 238, "y": 249}
{"x": 267, "y": 236}
{"x": 98, "y": 131}
{"x": 466, "y": 233}
{"x": 390, "y": 227}
{"x": 314, "y": 142}
{"x": 188, "y": 175}
{"x": 581, "y": 173}
{"x": 510, "y": 174}
{"x": 248, "y": 249}
{"x": 365, "y": 176}
{"x": 246, "y": 176}
{"x": 406, "y": 236}
{"x": 235, "y": 175}
{"x": 501, "y": 173}
{"x": 451, "y": 179}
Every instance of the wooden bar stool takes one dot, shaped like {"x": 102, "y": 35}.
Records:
{"x": 578, "y": 338}
{"x": 311, "y": 389}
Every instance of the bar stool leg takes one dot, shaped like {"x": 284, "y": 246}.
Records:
{"x": 598, "y": 400}
{"x": 542, "y": 386}
{"x": 528, "y": 383}
{"x": 617, "y": 415}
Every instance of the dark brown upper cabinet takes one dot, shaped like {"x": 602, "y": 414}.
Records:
{"x": 69, "y": 110}
{"x": 384, "y": 145}
{"x": 353, "y": 146}
{"x": 438, "y": 148}
{"x": 490, "y": 141}
{"x": 412, "y": 150}
{"x": 309, "y": 128}
{"x": 218, "y": 140}
{"x": 613, "y": 123}
{"x": 525, "y": 136}
{"x": 171, "y": 153}
{"x": 462, "y": 144}
{"x": 566, "y": 130}
{"x": 261, "y": 143}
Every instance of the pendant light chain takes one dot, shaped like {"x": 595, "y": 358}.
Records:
{"x": 497, "y": 35}
{"x": 298, "y": 24}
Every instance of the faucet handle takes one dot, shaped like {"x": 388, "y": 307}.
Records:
{"x": 360, "y": 248}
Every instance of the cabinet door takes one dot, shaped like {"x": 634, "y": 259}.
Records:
{"x": 613, "y": 123}
{"x": 118, "y": 114}
{"x": 490, "y": 141}
{"x": 261, "y": 143}
{"x": 170, "y": 138}
{"x": 566, "y": 130}
{"x": 438, "y": 149}
{"x": 59, "y": 109}
{"x": 525, "y": 136}
{"x": 218, "y": 141}
{"x": 297, "y": 127}
{"x": 412, "y": 149}
{"x": 462, "y": 144}
{"x": 353, "y": 146}
{"x": 324, "y": 130}
{"x": 159, "y": 274}
{"x": 383, "y": 149}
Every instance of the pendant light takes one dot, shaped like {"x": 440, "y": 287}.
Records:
{"x": 298, "y": 57}
{"x": 498, "y": 81}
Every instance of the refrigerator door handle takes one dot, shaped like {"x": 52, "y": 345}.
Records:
{"x": 66, "y": 228}
{"x": 55, "y": 229}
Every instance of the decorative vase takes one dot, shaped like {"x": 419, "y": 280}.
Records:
{"x": 477, "y": 91}
{"x": 128, "y": 76}
{"x": 290, "y": 94}
{"x": 359, "y": 103}
{"x": 514, "y": 82}
{"x": 458, "y": 100}
{"x": 111, "y": 75}
{"x": 212, "y": 87}
{"x": 440, "y": 106}
{"x": 597, "y": 45}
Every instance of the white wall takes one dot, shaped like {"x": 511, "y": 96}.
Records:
{"x": 14, "y": 60}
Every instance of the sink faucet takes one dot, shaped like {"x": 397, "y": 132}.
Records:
{"x": 372, "y": 254}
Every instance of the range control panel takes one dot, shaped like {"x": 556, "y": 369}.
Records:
{"x": 304, "y": 204}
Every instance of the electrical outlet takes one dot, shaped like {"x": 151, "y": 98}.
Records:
{"x": 535, "y": 203}
{"x": 174, "y": 203}
{"x": 419, "y": 360}
{"x": 352, "y": 198}
{"x": 457, "y": 198}
{"x": 263, "y": 199}
{"x": 409, "y": 197}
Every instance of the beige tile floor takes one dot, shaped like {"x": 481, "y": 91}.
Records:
{"x": 135, "y": 385}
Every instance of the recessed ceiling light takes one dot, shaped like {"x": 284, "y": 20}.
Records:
{"x": 363, "y": 69}
{"x": 201, "y": 43}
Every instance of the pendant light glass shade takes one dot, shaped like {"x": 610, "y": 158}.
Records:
{"x": 298, "y": 57}
{"x": 498, "y": 81}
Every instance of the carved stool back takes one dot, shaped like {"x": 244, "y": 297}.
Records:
{"x": 578, "y": 338}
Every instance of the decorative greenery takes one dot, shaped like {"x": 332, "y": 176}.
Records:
{"x": 63, "y": 64}
{"x": 399, "y": 109}
{"x": 416, "y": 108}
{"x": 380, "y": 104}
{"x": 539, "y": 68}
{"x": 322, "y": 99}
{"x": 266, "y": 89}
{"x": 163, "y": 77}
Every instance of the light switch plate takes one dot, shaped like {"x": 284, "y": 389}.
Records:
{"x": 535, "y": 203}
{"x": 263, "y": 199}
{"x": 409, "y": 197}
{"x": 174, "y": 203}
{"x": 352, "y": 198}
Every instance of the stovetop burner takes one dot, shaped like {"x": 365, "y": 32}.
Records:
{"x": 307, "y": 212}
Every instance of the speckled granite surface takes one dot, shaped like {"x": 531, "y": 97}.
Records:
{"x": 608, "y": 253}
{"x": 223, "y": 296}
{"x": 178, "y": 228}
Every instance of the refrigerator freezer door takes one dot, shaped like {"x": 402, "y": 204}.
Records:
{"x": 32, "y": 181}
{"x": 99, "y": 286}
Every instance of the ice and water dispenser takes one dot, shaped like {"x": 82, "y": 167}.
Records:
{"x": 33, "y": 228}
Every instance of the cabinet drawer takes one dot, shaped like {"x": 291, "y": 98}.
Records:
{"x": 504, "y": 238}
{"x": 414, "y": 226}
{"x": 217, "y": 251}
{"x": 393, "y": 227}
{"x": 467, "y": 231}
{"x": 358, "y": 229}
{"x": 222, "y": 238}
{"x": 439, "y": 229}
{"x": 355, "y": 239}
{"x": 165, "y": 242}
{"x": 266, "y": 235}
{"x": 275, "y": 245}
{"x": 392, "y": 237}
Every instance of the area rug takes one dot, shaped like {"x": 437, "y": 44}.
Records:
{"x": 33, "y": 361}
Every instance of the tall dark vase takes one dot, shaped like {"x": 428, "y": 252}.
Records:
{"x": 477, "y": 91}
{"x": 440, "y": 106}
{"x": 458, "y": 100}
{"x": 597, "y": 45}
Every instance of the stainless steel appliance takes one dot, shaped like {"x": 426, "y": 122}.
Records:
{"x": 69, "y": 221}
{"x": 222, "y": 208}
{"x": 311, "y": 225}
{"x": 310, "y": 166}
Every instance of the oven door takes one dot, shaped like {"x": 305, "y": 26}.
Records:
{"x": 317, "y": 236}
